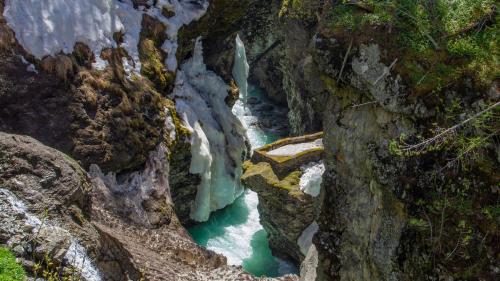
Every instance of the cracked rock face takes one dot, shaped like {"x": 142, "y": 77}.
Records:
{"x": 285, "y": 211}
{"x": 371, "y": 75}
{"x": 46, "y": 196}
{"x": 363, "y": 230}
{"x": 95, "y": 117}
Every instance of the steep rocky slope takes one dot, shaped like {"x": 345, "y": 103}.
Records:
{"x": 48, "y": 204}
{"x": 119, "y": 125}
{"x": 407, "y": 94}
{"x": 98, "y": 117}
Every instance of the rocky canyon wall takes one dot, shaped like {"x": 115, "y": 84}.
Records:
{"x": 405, "y": 177}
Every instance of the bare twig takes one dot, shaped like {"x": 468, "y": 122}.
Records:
{"x": 456, "y": 247}
{"x": 482, "y": 242}
{"x": 266, "y": 51}
{"x": 361, "y": 5}
{"x": 442, "y": 222}
{"x": 432, "y": 237}
{"x": 386, "y": 71}
{"x": 422, "y": 78}
{"x": 450, "y": 130}
{"x": 477, "y": 25}
{"x": 362, "y": 104}
{"x": 467, "y": 151}
{"x": 434, "y": 43}
{"x": 345, "y": 60}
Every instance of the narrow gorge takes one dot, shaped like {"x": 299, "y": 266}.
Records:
{"x": 292, "y": 140}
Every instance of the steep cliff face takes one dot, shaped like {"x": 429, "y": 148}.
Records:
{"x": 409, "y": 106}
{"x": 95, "y": 86}
{"x": 59, "y": 221}
{"x": 98, "y": 117}
{"x": 46, "y": 205}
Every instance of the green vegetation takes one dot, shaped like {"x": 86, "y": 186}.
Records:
{"x": 456, "y": 217}
{"x": 152, "y": 65}
{"x": 437, "y": 42}
{"x": 263, "y": 173}
{"x": 10, "y": 270}
{"x": 467, "y": 141}
{"x": 304, "y": 9}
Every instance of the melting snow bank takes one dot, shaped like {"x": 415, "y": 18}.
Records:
{"x": 312, "y": 177}
{"x": 217, "y": 141}
{"x": 47, "y": 27}
{"x": 76, "y": 255}
{"x": 309, "y": 265}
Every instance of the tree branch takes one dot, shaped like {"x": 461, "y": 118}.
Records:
{"x": 450, "y": 130}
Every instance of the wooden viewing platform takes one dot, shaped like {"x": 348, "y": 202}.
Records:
{"x": 284, "y": 164}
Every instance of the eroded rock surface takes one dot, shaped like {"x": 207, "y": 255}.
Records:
{"x": 285, "y": 211}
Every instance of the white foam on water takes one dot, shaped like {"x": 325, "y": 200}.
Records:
{"x": 76, "y": 254}
{"x": 235, "y": 243}
{"x": 78, "y": 258}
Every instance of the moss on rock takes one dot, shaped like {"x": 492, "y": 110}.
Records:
{"x": 285, "y": 211}
{"x": 152, "y": 56}
{"x": 10, "y": 270}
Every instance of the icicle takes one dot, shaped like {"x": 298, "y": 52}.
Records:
{"x": 241, "y": 69}
{"x": 217, "y": 142}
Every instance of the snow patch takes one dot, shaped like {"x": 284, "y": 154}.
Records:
{"x": 78, "y": 258}
{"x": 296, "y": 148}
{"x": 30, "y": 67}
{"x": 305, "y": 239}
{"x": 312, "y": 177}
{"x": 131, "y": 190}
{"x": 76, "y": 254}
{"x": 19, "y": 207}
{"x": 48, "y": 27}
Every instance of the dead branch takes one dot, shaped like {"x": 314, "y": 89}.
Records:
{"x": 439, "y": 137}
{"x": 466, "y": 152}
{"x": 362, "y": 104}
{"x": 363, "y": 6}
{"x": 442, "y": 222}
{"x": 386, "y": 72}
{"x": 477, "y": 25}
{"x": 345, "y": 60}
{"x": 432, "y": 236}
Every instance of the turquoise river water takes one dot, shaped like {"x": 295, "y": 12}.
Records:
{"x": 235, "y": 231}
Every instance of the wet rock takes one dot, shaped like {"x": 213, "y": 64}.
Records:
{"x": 253, "y": 100}
{"x": 280, "y": 200}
